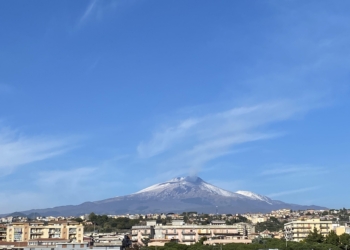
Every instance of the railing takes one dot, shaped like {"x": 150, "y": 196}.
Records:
{"x": 36, "y": 232}
{"x": 226, "y": 233}
{"x": 187, "y": 239}
{"x": 204, "y": 232}
{"x": 189, "y": 233}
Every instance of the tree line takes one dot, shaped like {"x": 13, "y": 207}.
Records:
{"x": 105, "y": 224}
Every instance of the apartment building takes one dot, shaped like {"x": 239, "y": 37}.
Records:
{"x": 29, "y": 231}
{"x": 3, "y": 233}
{"x": 189, "y": 234}
{"x": 300, "y": 229}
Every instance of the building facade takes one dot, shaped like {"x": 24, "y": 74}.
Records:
{"x": 3, "y": 233}
{"x": 189, "y": 234}
{"x": 29, "y": 231}
{"x": 300, "y": 229}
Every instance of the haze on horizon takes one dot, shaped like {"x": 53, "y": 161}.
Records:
{"x": 104, "y": 98}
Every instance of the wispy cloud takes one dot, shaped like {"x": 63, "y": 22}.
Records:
{"x": 17, "y": 149}
{"x": 96, "y": 10}
{"x": 88, "y": 12}
{"x": 166, "y": 138}
{"x": 197, "y": 140}
{"x": 63, "y": 176}
{"x": 294, "y": 191}
{"x": 292, "y": 169}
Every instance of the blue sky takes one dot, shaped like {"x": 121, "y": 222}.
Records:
{"x": 104, "y": 98}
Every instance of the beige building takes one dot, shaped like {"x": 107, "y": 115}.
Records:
{"x": 189, "y": 234}
{"x": 342, "y": 230}
{"x": 300, "y": 229}
{"x": 28, "y": 231}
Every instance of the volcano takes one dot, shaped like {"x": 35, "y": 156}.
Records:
{"x": 180, "y": 194}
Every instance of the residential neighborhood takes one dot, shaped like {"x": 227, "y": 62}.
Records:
{"x": 188, "y": 228}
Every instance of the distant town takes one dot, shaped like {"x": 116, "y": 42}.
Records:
{"x": 92, "y": 231}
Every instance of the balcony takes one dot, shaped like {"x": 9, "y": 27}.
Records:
{"x": 226, "y": 233}
{"x": 188, "y": 240}
{"x": 36, "y": 232}
{"x": 188, "y": 233}
{"x": 171, "y": 233}
{"x": 204, "y": 232}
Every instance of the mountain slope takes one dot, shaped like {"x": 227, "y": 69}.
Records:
{"x": 176, "y": 195}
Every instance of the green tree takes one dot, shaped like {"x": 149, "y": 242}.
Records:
{"x": 92, "y": 217}
{"x": 344, "y": 240}
{"x": 202, "y": 240}
{"x": 314, "y": 237}
{"x": 273, "y": 225}
{"x": 78, "y": 219}
{"x": 332, "y": 238}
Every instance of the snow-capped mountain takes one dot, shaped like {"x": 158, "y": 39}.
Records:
{"x": 185, "y": 185}
{"x": 193, "y": 184}
{"x": 254, "y": 196}
{"x": 180, "y": 194}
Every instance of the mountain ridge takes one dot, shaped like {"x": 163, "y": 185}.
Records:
{"x": 176, "y": 195}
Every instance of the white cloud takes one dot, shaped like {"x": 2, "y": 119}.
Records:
{"x": 17, "y": 149}
{"x": 163, "y": 140}
{"x": 199, "y": 139}
{"x": 71, "y": 179}
{"x": 288, "y": 171}
{"x": 97, "y": 10}
{"x": 294, "y": 191}
{"x": 88, "y": 12}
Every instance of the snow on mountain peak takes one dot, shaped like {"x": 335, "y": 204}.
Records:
{"x": 254, "y": 196}
{"x": 192, "y": 185}
{"x": 187, "y": 183}
{"x": 187, "y": 178}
